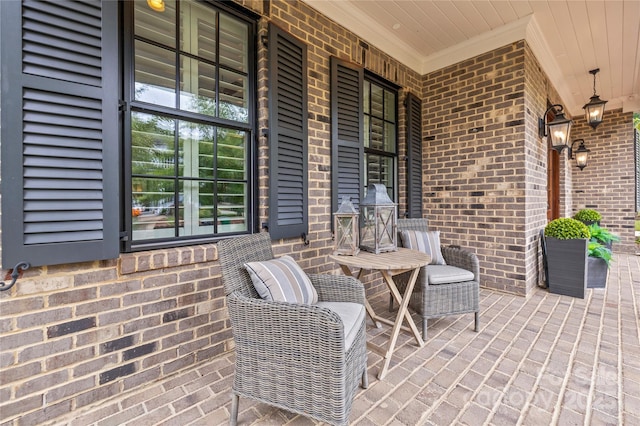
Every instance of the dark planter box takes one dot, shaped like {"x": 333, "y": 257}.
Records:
{"x": 567, "y": 266}
{"x": 597, "y": 274}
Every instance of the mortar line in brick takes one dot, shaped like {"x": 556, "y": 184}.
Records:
{"x": 455, "y": 320}
{"x": 636, "y": 308}
{"x": 434, "y": 338}
{"x": 375, "y": 366}
{"x": 594, "y": 364}
{"x": 466, "y": 370}
{"x": 495, "y": 366}
{"x": 524, "y": 358}
{"x": 572, "y": 355}
{"x": 525, "y": 408}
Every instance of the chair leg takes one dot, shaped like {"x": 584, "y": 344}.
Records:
{"x": 233, "y": 418}
{"x": 424, "y": 329}
{"x": 365, "y": 379}
{"x": 390, "y": 302}
{"x": 477, "y": 315}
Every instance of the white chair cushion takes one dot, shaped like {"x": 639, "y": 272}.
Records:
{"x": 446, "y": 274}
{"x": 426, "y": 242}
{"x": 351, "y": 314}
{"x": 282, "y": 280}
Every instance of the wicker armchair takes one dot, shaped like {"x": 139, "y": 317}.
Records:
{"x": 445, "y": 298}
{"x": 292, "y": 356}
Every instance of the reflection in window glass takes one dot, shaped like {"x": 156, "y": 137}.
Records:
{"x": 152, "y": 145}
{"x": 159, "y": 27}
{"x": 197, "y": 86}
{"x": 155, "y": 74}
{"x": 233, "y": 96}
{"x": 234, "y": 46}
{"x": 198, "y": 22}
{"x": 380, "y": 134}
{"x": 190, "y": 169}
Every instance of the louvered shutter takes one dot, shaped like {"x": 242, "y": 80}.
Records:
{"x": 59, "y": 132}
{"x": 414, "y": 154}
{"x": 288, "y": 135}
{"x": 347, "y": 148}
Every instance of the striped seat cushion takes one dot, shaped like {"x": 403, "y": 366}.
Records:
{"x": 426, "y": 242}
{"x": 282, "y": 280}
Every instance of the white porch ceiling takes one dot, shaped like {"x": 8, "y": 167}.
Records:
{"x": 569, "y": 38}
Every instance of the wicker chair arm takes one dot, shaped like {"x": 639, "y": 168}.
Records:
{"x": 338, "y": 288}
{"x": 465, "y": 259}
{"x": 258, "y": 323}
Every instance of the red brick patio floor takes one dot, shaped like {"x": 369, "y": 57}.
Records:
{"x": 545, "y": 359}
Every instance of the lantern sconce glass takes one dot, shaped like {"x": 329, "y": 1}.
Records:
{"x": 581, "y": 154}
{"x": 557, "y": 129}
{"x": 157, "y": 5}
{"x": 594, "y": 110}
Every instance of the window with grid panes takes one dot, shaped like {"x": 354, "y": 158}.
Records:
{"x": 191, "y": 125}
{"x": 380, "y": 134}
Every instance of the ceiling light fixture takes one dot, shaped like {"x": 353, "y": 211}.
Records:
{"x": 594, "y": 110}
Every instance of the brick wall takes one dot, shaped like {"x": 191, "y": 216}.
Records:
{"x": 476, "y": 155}
{"x": 607, "y": 183}
{"x": 74, "y": 335}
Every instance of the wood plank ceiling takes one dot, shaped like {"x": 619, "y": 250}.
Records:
{"x": 569, "y": 37}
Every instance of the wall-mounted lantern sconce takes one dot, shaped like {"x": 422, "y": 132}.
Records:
{"x": 581, "y": 154}
{"x": 157, "y": 5}
{"x": 557, "y": 129}
{"x": 594, "y": 110}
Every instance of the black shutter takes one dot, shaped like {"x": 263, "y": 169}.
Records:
{"x": 288, "y": 134}
{"x": 347, "y": 148}
{"x": 59, "y": 132}
{"x": 414, "y": 154}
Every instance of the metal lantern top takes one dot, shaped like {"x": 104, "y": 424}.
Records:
{"x": 377, "y": 196}
{"x": 346, "y": 206}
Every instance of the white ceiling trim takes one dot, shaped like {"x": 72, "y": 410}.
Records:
{"x": 351, "y": 19}
{"x": 477, "y": 45}
{"x": 350, "y": 16}
{"x": 540, "y": 49}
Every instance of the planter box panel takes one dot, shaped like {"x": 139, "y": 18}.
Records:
{"x": 567, "y": 266}
{"x": 598, "y": 271}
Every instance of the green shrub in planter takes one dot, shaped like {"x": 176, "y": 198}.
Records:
{"x": 588, "y": 216}
{"x": 602, "y": 235}
{"x": 566, "y": 228}
{"x": 599, "y": 256}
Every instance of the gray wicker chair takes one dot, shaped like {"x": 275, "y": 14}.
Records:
{"x": 291, "y": 356}
{"x": 438, "y": 300}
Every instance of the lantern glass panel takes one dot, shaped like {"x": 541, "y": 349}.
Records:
{"x": 581, "y": 159}
{"x": 559, "y": 133}
{"x": 378, "y": 221}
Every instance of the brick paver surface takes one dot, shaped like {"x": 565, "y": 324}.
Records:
{"x": 545, "y": 359}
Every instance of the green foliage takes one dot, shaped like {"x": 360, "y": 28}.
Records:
{"x": 600, "y": 251}
{"x": 636, "y": 121}
{"x": 566, "y": 228}
{"x": 602, "y": 235}
{"x": 587, "y": 215}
